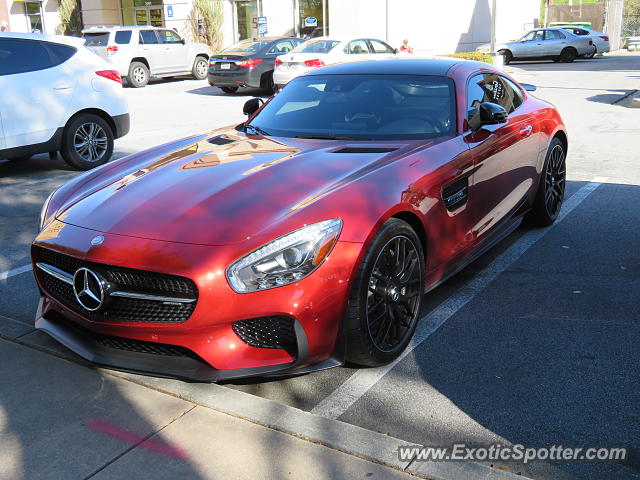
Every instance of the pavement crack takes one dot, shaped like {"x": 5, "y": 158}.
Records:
{"x": 137, "y": 444}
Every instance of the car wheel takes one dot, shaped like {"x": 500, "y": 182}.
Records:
{"x": 592, "y": 54}
{"x": 229, "y": 89}
{"x": 267, "y": 83}
{"x": 568, "y": 55}
{"x": 550, "y": 194}
{"x": 507, "y": 56}
{"x": 386, "y": 296}
{"x": 200, "y": 67}
{"x": 87, "y": 141}
{"x": 138, "y": 75}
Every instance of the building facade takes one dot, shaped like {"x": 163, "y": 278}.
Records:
{"x": 430, "y": 26}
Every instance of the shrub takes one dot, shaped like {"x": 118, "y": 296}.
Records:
{"x": 70, "y": 17}
{"x": 477, "y": 56}
{"x": 211, "y": 14}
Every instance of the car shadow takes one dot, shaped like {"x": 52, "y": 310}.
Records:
{"x": 211, "y": 91}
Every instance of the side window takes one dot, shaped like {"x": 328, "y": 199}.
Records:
{"x": 357, "y": 47}
{"x": 282, "y": 47}
{"x": 169, "y": 36}
{"x": 20, "y": 56}
{"x": 380, "y": 47}
{"x": 59, "y": 53}
{"x": 123, "y": 37}
{"x": 528, "y": 37}
{"x": 148, "y": 37}
{"x": 553, "y": 35}
{"x": 494, "y": 88}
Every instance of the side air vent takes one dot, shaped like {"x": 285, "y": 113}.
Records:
{"x": 365, "y": 150}
{"x": 220, "y": 140}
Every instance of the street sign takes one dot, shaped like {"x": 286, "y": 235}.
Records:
{"x": 169, "y": 11}
{"x": 310, "y": 22}
{"x": 262, "y": 26}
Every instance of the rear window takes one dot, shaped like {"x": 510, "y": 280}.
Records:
{"x": 96, "y": 39}
{"x": 123, "y": 37}
{"x": 246, "y": 46}
{"x": 21, "y": 56}
{"x": 316, "y": 46}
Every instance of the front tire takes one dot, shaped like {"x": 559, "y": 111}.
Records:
{"x": 550, "y": 194}
{"x": 386, "y": 296}
{"x": 199, "y": 69}
{"x": 507, "y": 56}
{"x": 87, "y": 142}
{"x": 138, "y": 75}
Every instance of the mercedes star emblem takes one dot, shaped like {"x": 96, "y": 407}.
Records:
{"x": 89, "y": 289}
{"x": 97, "y": 240}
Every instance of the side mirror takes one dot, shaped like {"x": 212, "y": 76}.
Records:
{"x": 183, "y": 41}
{"x": 528, "y": 87}
{"x": 492, "y": 114}
{"x": 251, "y": 106}
{"x": 396, "y": 50}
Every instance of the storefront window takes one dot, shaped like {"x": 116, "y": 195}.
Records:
{"x": 247, "y": 19}
{"x": 142, "y": 12}
{"x": 313, "y": 17}
{"x": 34, "y": 16}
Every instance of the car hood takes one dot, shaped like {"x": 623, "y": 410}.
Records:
{"x": 220, "y": 188}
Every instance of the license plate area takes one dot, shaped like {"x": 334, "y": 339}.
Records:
{"x": 225, "y": 66}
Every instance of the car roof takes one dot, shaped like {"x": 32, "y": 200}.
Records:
{"x": 62, "y": 39}
{"x": 396, "y": 66}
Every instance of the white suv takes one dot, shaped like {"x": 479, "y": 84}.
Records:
{"x": 140, "y": 52}
{"x": 55, "y": 95}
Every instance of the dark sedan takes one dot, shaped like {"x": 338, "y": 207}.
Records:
{"x": 249, "y": 63}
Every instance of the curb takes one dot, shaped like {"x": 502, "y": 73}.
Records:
{"x": 344, "y": 437}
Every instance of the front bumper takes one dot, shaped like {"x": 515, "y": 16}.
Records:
{"x": 213, "y": 349}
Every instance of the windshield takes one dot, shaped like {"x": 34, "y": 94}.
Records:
{"x": 246, "y": 46}
{"x": 96, "y": 39}
{"x": 360, "y": 107}
{"x": 316, "y": 46}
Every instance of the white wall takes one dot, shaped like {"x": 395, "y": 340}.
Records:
{"x": 18, "y": 19}
{"x": 432, "y": 26}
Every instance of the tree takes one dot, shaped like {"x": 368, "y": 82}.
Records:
{"x": 206, "y": 22}
{"x": 70, "y": 17}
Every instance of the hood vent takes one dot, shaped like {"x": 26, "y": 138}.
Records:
{"x": 365, "y": 150}
{"x": 220, "y": 140}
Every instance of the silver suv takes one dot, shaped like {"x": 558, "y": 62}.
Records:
{"x": 140, "y": 52}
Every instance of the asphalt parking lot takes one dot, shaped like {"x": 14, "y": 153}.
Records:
{"x": 535, "y": 343}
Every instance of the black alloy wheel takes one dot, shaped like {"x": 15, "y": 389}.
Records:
{"x": 386, "y": 296}
{"x": 550, "y": 194}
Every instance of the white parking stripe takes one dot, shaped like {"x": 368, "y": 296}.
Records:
{"x": 360, "y": 382}
{"x": 14, "y": 272}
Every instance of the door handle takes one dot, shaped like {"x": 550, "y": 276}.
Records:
{"x": 526, "y": 130}
{"x": 62, "y": 86}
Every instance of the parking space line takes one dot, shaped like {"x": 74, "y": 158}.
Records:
{"x": 14, "y": 272}
{"x": 360, "y": 382}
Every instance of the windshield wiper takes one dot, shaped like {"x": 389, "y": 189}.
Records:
{"x": 332, "y": 137}
{"x": 257, "y": 130}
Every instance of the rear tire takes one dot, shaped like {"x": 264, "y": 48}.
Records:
{"x": 199, "y": 69}
{"x": 568, "y": 55}
{"x": 591, "y": 55}
{"x": 229, "y": 89}
{"x": 550, "y": 194}
{"x": 386, "y": 296}
{"x": 138, "y": 75}
{"x": 507, "y": 56}
{"x": 267, "y": 83}
{"x": 87, "y": 142}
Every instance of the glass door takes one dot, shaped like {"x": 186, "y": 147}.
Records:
{"x": 149, "y": 16}
{"x": 247, "y": 19}
{"x": 142, "y": 16}
{"x": 313, "y": 15}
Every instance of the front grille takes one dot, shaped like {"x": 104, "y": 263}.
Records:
{"x": 117, "y": 309}
{"x": 268, "y": 332}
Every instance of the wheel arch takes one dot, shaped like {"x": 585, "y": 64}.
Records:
{"x": 562, "y": 136}
{"x": 141, "y": 60}
{"x": 416, "y": 224}
{"x": 95, "y": 111}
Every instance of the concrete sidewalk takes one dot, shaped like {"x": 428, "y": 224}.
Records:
{"x": 59, "y": 419}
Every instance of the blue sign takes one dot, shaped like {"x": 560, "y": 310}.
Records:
{"x": 169, "y": 11}
{"x": 262, "y": 25}
{"x": 311, "y": 22}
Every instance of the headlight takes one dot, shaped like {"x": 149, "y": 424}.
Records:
{"x": 286, "y": 259}
{"x": 45, "y": 207}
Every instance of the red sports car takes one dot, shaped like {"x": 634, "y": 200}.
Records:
{"x": 305, "y": 237}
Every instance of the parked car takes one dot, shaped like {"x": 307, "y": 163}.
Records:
{"x": 55, "y": 95}
{"x": 141, "y": 52}
{"x": 304, "y": 237}
{"x": 322, "y": 51}
{"x": 249, "y": 63}
{"x": 600, "y": 39}
{"x": 554, "y": 44}
{"x": 632, "y": 44}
